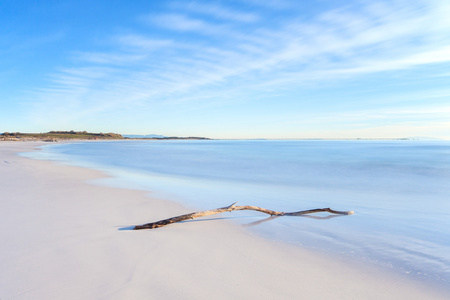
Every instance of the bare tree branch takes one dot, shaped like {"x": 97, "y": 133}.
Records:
{"x": 233, "y": 207}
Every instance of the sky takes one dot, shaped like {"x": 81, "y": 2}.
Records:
{"x": 227, "y": 69}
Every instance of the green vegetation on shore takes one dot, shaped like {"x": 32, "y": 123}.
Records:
{"x": 55, "y": 136}
{"x": 59, "y": 135}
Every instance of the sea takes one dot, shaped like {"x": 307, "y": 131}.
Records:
{"x": 399, "y": 190}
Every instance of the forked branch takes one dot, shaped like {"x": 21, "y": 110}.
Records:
{"x": 233, "y": 207}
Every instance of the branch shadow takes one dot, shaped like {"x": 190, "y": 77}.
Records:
{"x": 126, "y": 228}
{"x": 302, "y": 216}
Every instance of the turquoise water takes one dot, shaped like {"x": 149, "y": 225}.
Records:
{"x": 399, "y": 190}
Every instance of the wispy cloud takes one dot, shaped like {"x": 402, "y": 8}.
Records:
{"x": 110, "y": 58}
{"x": 273, "y": 4}
{"x": 374, "y": 123}
{"x": 240, "y": 52}
{"x": 182, "y": 22}
{"x": 142, "y": 42}
{"x": 217, "y": 11}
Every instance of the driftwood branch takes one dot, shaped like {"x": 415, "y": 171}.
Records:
{"x": 233, "y": 207}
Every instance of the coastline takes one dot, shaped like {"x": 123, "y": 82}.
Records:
{"x": 67, "y": 239}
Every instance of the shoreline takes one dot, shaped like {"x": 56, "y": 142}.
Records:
{"x": 67, "y": 239}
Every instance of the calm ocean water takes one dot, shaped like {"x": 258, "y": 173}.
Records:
{"x": 399, "y": 190}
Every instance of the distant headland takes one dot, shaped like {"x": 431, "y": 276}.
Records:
{"x": 56, "y": 136}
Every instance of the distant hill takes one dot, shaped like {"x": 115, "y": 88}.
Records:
{"x": 54, "y": 136}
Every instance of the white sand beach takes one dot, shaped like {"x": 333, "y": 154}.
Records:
{"x": 63, "y": 238}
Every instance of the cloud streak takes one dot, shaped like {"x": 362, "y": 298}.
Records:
{"x": 217, "y": 11}
{"x": 196, "y": 49}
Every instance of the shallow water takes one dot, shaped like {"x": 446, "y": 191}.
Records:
{"x": 399, "y": 190}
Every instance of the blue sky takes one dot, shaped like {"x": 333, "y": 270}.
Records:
{"x": 227, "y": 69}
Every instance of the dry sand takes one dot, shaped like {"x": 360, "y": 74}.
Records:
{"x": 63, "y": 238}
